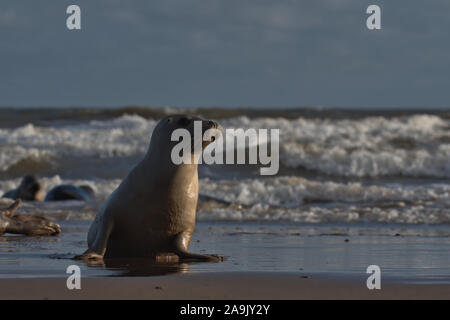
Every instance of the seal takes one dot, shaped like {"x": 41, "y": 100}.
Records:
{"x": 152, "y": 212}
{"x": 27, "y": 224}
{"x": 69, "y": 192}
{"x": 29, "y": 189}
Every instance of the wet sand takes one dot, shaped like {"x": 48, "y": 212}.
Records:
{"x": 221, "y": 286}
{"x": 264, "y": 261}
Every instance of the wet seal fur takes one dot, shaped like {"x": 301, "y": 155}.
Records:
{"x": 27, "y": 224}
{"x": 152, "y": 212}
{"x": 66, "y": 192}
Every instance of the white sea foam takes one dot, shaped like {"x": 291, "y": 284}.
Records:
{"x": 411, "y": 146}
{"x": 295, "y": 191}
{"x": 416, "y": 145}
{"x": 302, "y": 200}
{"x": 127, "y": 135}
{"x": 287, "y": 199}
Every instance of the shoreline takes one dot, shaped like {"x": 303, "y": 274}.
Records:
{"x": 220, "y": 286}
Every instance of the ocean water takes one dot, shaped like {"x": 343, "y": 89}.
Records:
{"x": 387, "y": 171}
{"x": 334, "y": 166}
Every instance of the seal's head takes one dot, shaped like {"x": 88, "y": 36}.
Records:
{"x": 88, "y": 190}
{"x": 30, "y": 189}
{"x": 200, "y": 131}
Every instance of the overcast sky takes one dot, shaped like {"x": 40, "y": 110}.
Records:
{"x": 225, "y": 53}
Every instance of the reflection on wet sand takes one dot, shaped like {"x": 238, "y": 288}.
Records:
{"x": 139, "y": 267}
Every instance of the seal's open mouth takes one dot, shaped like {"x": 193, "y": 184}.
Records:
{"x": 207, "y": 125}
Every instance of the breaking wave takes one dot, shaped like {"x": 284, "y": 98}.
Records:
{"x": 281, "y": 199}
{"x": 414, "y": 146}
{"x": 334, "y": 167}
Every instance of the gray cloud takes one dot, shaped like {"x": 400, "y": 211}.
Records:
{"x": 7, "y": 17}
{"x": 225, "y": 52}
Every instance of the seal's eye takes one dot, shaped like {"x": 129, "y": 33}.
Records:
{"x": 184, "y": 121}
{"x": 169, "y": 120}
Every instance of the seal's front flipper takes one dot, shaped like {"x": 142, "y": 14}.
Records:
{"x": 180, "y": 249}
{"x": 88, "y": 256}
{"x": 98, "y": 248}
{"x": 9, "y": 212}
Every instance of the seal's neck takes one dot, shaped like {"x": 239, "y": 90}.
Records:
{"x": 160, "y": 164}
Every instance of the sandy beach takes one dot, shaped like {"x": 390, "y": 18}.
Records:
{"x": 264, "y": 261}
{"x": 224, "y": 150}
{"x": 220, "y": 286}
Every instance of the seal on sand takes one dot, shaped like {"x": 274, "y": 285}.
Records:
{"x": 29, "y": 189}
{"x": 152, "y": 212}
{"x": 28, "y": 224}
{"x": 69, "y": 192}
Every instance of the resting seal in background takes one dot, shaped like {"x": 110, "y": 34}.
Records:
{"x": 68, "y": 192}
{"x": 152, "y": 212}
{"x": 29, "y": 189}
{"x": 28, "y": 224}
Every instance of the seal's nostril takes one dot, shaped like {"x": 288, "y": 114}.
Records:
{"x": 208, "y": 124}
